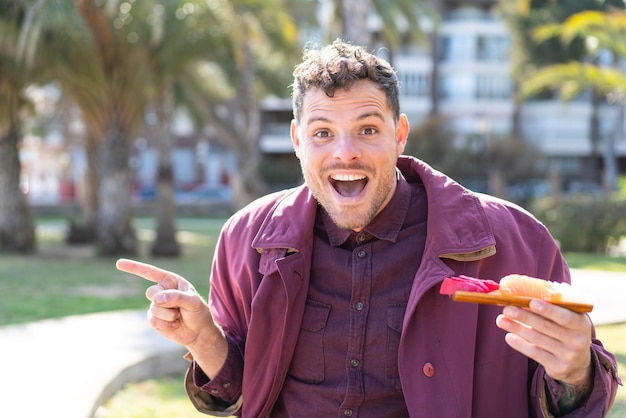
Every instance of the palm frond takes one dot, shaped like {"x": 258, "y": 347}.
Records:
{"x": 573, "y": 78}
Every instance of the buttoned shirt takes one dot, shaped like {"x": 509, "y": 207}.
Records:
{"x": 346, "y": 358}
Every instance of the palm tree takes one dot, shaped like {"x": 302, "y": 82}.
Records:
{"x": 607, "y": 32}
{"x": 99, "y": 68}
{"x": 527, "y": 54}
{"x": 351, "y": 21}
{"x": 179, "y": 33}
{"x": 18, "y": 68}
{"x": 114, "y": 62}
{"x": 226, "y": 88}
{"x": 400, "y": 21}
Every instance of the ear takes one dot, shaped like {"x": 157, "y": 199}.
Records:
{"x": 295, "y": 139}
{"x": 402, "y": 132}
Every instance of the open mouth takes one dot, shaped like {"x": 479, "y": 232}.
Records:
{"x": 348, "y": 185}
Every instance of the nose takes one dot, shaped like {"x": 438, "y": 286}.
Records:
{"x": 346, "y": 148}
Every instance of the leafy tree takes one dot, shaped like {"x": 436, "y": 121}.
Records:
{"x": 117, "y": 58}
{"x": 177, "y": 35}
{"x": 400, "y": 21}
{"x": 527, "y": 54}
{"x": 191, "y": 40}
{"x": 100, "y": 68}
{"x": 351, "y": 21}
{"x": 226, "y": 88}
{"x": 607, "y": 31}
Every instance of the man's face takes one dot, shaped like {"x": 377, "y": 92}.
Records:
{"x": 348, "y": 146}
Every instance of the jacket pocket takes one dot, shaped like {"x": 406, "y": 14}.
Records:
{"x": 307, "y": 363}
{"x": 395, "y": 316}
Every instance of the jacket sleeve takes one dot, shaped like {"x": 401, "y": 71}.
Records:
{"x": 220, "y": 396}
{"x": 599, "y": 401}
{"x": 232, "y": 271}
{"x": 544, "y": 390}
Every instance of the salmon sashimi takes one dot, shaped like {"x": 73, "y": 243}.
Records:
{"x": 520, "y": 285}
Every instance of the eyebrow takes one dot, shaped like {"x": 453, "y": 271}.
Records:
{"x": 367, "y": 115}
{"x": 377, "y": 115}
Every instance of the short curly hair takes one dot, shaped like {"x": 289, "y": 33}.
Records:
{"x": 338, "y": 66}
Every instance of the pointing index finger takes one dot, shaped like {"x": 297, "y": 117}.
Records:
{"x": 149, "y": 272}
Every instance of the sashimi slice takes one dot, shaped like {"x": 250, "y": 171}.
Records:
{"x": 532, "y": 287}
{"x": 520, "y": 285}
{"x": 466, "y": 283}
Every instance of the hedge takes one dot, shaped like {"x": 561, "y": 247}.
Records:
{"x": 583, "y": 223}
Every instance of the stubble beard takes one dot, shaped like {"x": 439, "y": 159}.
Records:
{"x": 345, "y": 217}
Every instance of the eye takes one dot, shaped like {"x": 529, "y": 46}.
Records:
{"x": 369, "y": 131}
{"x": 321, "y": 134}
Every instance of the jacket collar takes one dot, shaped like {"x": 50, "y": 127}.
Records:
{"x": 457, "y": 225}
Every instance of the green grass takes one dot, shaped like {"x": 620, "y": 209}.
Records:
{"x": 61, "y": 280}
{"x": 614, "y": 339}
{"x": 589, "y": 261}
{"x": 159, "y": 398}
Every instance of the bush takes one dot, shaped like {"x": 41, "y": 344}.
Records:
{"x": 583, "y": 223}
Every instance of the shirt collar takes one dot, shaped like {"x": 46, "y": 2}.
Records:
{"x": 386, "y": 225}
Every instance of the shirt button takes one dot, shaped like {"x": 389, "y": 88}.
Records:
{"x": 361, "y": 237}
{"x": 226, "y": 385}
{"x": 358, "y": 306}
{"x": 214, "y": 392}
{"x": 428, "y": 369}
{"x": 361, "y": 254}
{"x": 347, "y": 412}
{"x": 355, "y": 362}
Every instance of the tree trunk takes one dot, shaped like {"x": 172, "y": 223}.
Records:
{"x": 165, "y": 243}
{"x": 516, "y": 115}
{"x": 17, "y": 231}
{"x": 116, "y": 235}
{"x": 354, "y": 14}
{"x": 610, "y": 177}
{"x": 247, "y": 183}
{"x": 435, "y": 58}
{"x": 611, "y": 171}
{"x": 594, "y": 136}
{"x": 84, "y": 230}
{"x": 92, "y": 184}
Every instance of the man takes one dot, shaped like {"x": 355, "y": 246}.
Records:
{"x": 325, "y": 298}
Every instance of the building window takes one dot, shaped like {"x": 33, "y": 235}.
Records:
{"x": 414, "y": 84}
{"x": 457, "y": 48}
{"x": 492, "y": 48}
{"x": 493, "y": 87}
{"x": 457, "y": 87}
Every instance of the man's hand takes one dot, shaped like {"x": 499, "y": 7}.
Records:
{"x": 180, "y": 314}
{"x": 556, "y": 338}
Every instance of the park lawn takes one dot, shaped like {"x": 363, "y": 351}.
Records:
{"x": 592, "y": 261}
{"x": 614, "y": 339}
{"x": 61, "y": 280}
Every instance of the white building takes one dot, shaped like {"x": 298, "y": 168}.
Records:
{"x": 476, "y": 92}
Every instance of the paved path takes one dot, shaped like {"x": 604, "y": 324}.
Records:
{"x": 609, "y": 291}
{"x": 65, "y": 368}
